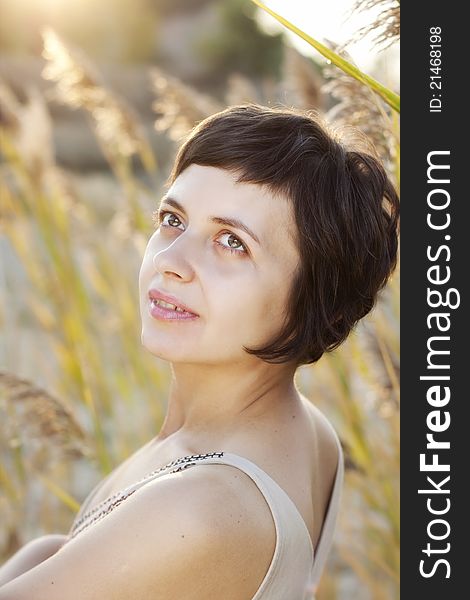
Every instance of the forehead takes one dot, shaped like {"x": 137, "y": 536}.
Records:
{"x": 210, "y": 191}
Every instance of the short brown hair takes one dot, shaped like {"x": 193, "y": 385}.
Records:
{"x": 346, "y": 211}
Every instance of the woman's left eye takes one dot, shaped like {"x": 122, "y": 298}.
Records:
{"x": 235, "y": 246}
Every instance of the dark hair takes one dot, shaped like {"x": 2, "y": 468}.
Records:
{"x": 346, "y": 211}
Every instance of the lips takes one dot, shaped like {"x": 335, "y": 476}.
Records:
{"x": 155, "y": 294}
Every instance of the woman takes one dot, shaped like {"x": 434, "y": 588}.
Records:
{"x": 271, "y": 242}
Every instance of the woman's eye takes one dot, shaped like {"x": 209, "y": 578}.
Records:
{"x": 233, "y": 244}
{"x": 160, "y": 218}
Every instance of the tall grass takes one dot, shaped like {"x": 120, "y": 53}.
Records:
{"x": 79, "y": 394}
{"x": 71, "y": 286}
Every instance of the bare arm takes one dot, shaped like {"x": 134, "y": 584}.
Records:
{"x": 190, "y": 535}
{"x": 31, "y": 554}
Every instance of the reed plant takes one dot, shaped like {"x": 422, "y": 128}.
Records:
{"x": 70, "y": 290}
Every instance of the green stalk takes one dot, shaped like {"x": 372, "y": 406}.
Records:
{"x": 387, "y": 95}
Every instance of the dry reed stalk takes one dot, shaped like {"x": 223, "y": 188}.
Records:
{"x": 27, "y": 145}
{"x": 361, "y": 109}
{"x": 44, "y": 234}
{"x": 369, "y": 528}
{"x": 301, "y": 82}
{"x": 29, "y": 126}
{"x": 240, "y": 90}
{"x": 78, "y": 85}
{"x": 386, "y": 25}
{"x": 179, "y": 106}
{"x": 38, "y": 416}
{"x": 38, "y": 433}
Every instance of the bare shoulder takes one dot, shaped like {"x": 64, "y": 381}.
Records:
{"x": 205, "y": 532}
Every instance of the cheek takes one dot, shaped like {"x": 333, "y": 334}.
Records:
{"x": 251, "y": 306}
{"x": 232, "y": 298}
{"x": 273, "y": 304}
{"x": 273, "y": 298}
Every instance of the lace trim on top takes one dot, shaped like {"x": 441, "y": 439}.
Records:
{"x": 107, "y": 505}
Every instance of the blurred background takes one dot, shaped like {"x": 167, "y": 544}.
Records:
{"x": 94, "y": 101}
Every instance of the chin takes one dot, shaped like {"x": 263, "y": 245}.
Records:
{"x": 164, "y": 349}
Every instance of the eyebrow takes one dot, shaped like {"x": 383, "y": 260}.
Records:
{"x": 230, "y": 221}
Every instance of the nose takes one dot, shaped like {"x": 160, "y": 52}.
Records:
{"x": 172, "y": 262}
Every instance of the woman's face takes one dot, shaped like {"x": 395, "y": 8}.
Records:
{"x": 236, "y": 284}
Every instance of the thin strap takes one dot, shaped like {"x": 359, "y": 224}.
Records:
{"x": 326, "y": 536}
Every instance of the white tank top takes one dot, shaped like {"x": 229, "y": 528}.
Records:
{"x": 296, "y": 567}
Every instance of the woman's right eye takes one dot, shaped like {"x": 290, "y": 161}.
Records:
{"x": 160, "y": 219}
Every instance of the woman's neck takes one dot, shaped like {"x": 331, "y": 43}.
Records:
{"x": 223, "y": 398}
